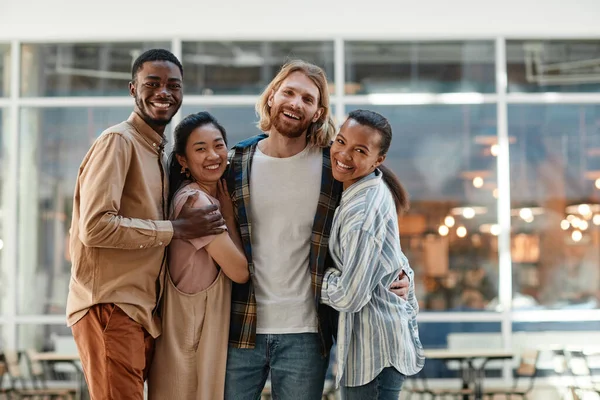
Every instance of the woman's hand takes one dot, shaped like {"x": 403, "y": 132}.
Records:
{"x": 224, "y": 199}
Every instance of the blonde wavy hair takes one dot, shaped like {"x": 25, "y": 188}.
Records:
{"x": 319, "y": 133}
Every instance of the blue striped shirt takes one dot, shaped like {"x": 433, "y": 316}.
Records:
{"x": 377, "y": 329}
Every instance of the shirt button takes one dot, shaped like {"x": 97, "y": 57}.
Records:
{"x": 141, "y": 246}
{"x": 154, "y": 144}
{"x": 160, "y": 243}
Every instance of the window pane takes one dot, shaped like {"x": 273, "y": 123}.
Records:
{"x": 553, "y": 338}
{"x": 246, "y": 67}
{"x": 4, "y": 302}
{"x": 459, "y": 336}
{"x": 428, "y": 67}
{"x": 4, "y": 70}
{"x": 555, "y": 190}
{"x": 443, "y": 155}
{"x": 80, "y": 69}
{"x": 553, "y": 65}
{"x": 53, "y": 142}
{"x": 238, "y": 121}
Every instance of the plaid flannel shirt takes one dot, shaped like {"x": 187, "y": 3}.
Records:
{"x": 242, "y": 331}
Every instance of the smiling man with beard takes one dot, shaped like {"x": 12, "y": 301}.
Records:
{"x": 119, "y": 233}
{"x": 285, "y": 197}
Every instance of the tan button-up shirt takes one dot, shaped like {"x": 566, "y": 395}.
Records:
{"x": 119, "y": 231}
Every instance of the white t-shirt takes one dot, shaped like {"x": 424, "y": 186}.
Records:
{"x": 283, "y": 203}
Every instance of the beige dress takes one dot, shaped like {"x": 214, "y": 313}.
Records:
{"x": 191, "y": 354}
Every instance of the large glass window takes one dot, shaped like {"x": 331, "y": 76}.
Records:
{"x": 555, "y": 190}
{"x": 444, "y": 155}
{"x": 553, "y": 65}
{"x": 53, "y": 142}
{"x": 238, "y": 121}
{"x": 246, "y": 67}
{"x": 3, "y": 209}
{"x": 459, "y": 336}
{"x": 4, "y": 70}
{"x": 425, "y": 67}
{"x": 79, "y": 69}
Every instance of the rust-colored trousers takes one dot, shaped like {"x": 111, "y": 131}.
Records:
{"x": 116, "y": 353}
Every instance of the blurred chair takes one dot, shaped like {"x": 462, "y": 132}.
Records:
{"x": 417, "y": 385}
{"x": 23, "y": 388}
{"x": 4, "y": 391}
{"x": 526, "y": 371}
{"x": 582, "y": 375}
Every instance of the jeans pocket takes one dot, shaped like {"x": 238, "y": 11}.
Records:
{"x": 106, "y": 313}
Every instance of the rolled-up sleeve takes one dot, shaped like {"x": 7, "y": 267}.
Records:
{"x": 350, "y": 289}
{"x": 101, "y": 181}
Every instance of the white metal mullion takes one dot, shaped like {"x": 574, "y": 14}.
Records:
{"x": 459, "y": 317}
{"x": 553, "y": 98}
{"x": 65, "y": 102}
{"x": 339, "y": 64}
{"x": 503, "y": 172}
{"x": 10, "y": 201}
{"x": 556, "y": 315}
{"x": 176, "y": 49}
{"x": 422, "y": 99}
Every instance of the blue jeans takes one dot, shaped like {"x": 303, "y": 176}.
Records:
{"x": 386, "y": 386}
{"x": 295, "y": 362}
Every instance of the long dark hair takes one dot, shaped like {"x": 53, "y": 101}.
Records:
{"x": 382, "y": 125}
{"x": 183, "y": 130}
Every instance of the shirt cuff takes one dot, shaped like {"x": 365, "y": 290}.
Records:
{"x": 164, "y": 233}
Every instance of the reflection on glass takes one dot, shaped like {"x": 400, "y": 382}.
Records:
{"x": 555, "y": 162}
{"x": 53, "y": 338}
{"x": 459, "y": 336}
{"x": 4, "y": 70}
{"x": 437, "y": 151}
{"x": 238, "y": 121}
{"x": 423, "y": 67}
{"x": 53, "y": 142}
{"x": 80, "y": 69}
{"x": 553, "y": 65}
{"x": 3, "y": 200}
{"x": 246, "y": 67}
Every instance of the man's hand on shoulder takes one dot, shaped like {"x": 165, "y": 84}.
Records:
{"x": 194, "y": 222}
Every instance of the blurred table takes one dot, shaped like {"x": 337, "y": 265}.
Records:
{"x": 466, "y": 357}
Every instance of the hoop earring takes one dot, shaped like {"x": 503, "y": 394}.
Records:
{"x": 185, "y": 171}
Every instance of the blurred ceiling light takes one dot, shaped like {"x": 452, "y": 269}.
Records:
{"x": 461, "y": 231}
{"x": 449, "y": 221}
{"x": 583, "y": 225}
{"x": 478, "y": 182}
{"x": 443, "y": 230}
{"x": 576, "y": 236}
{"x": 596, "y": 219}
{"x": 584, "y": 209}
{"x": 564, "y": 224}
{"x": 495, "y": 229}
{"x": 468, "y": 212}
{"x": 495, "y": 193}
{"x": 494, "y": 149}
{"x": 575, "y": 222}
{"x": 598, "y": 183}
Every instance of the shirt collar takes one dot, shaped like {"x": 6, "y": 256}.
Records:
{"x": 150, "y": 135}
{"x": 365, "y": 183}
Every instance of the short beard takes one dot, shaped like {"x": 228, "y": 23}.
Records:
{"x": 283, "y": 129}
{"x": 149, "y": 120}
